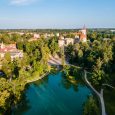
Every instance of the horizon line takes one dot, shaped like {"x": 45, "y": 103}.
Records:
{"x": 55, "y": 28}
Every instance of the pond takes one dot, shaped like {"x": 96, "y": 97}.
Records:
{"x": 53, "y": 95}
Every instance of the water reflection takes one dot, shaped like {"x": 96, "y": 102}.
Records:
{"x": 72, "y": 82}
{"x": 19, "y": 109}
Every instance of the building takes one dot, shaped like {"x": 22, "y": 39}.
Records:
{"x": 83, "y": 35}
{"x": 69, "y": 41}
{"x": 36, "y": 36}
{"x": 65, "y": 41}
{"x": 61, "y": 42}
{"x": 11, "y": 48}
{"x": 80, "y": 36}
{"x": 112, "y": 30}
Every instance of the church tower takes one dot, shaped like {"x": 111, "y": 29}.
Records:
{"x": 83, "y": 35}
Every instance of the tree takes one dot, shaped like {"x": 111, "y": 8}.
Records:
{"x": 20, "y": 45}
{"x": 93, "y": 36}
{"x": 53, "y": 46}
{"x": 70, "y": 53}
{"x": 37, "y": 54}
{"x": 90, "y": 107}
{"x": 7, "y": 68}
{"x": 7, "y": 57}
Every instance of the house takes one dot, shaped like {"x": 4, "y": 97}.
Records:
{"x": 36, "y": 35}
{"x": 61, "y": 42}
{"x": 112, "y": 30}
{"x": 65, "y": 41}
{"x": 69, "y": 41}
{"x": 11, "y": 48}
{"x": 80, "y": 36}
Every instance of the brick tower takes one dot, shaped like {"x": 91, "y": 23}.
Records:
{"x": 83, "y": 35}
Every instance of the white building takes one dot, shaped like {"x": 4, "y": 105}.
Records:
{"x": 36, "y": 36}
{"x": 65, "y": 42}
{"x": 61, "y": 42}
{"x": 69, "y": 41}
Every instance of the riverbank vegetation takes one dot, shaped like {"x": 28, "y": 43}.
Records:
{"x": 90, "y": 107}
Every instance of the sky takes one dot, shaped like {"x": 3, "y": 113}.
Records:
{"x": 56, "y": 14}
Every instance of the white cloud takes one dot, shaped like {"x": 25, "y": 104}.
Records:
{"x": 21, "y": 2}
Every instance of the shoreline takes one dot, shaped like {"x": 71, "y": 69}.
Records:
{"x": 31, "y": 81}
{"x": 37, "y": 78}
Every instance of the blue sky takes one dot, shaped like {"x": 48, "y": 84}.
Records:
{"x": 56, "y": 13}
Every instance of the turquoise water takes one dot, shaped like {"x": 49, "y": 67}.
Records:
{"x": 53, "y": 95}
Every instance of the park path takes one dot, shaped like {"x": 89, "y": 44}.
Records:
{"x": 100, "y": 95}
{"x": 108, "y": 86}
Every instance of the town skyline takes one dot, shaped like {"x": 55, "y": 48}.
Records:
{"x": 58, "y": 14}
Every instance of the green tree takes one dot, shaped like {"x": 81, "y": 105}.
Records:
{"x": 90, "y": 107}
